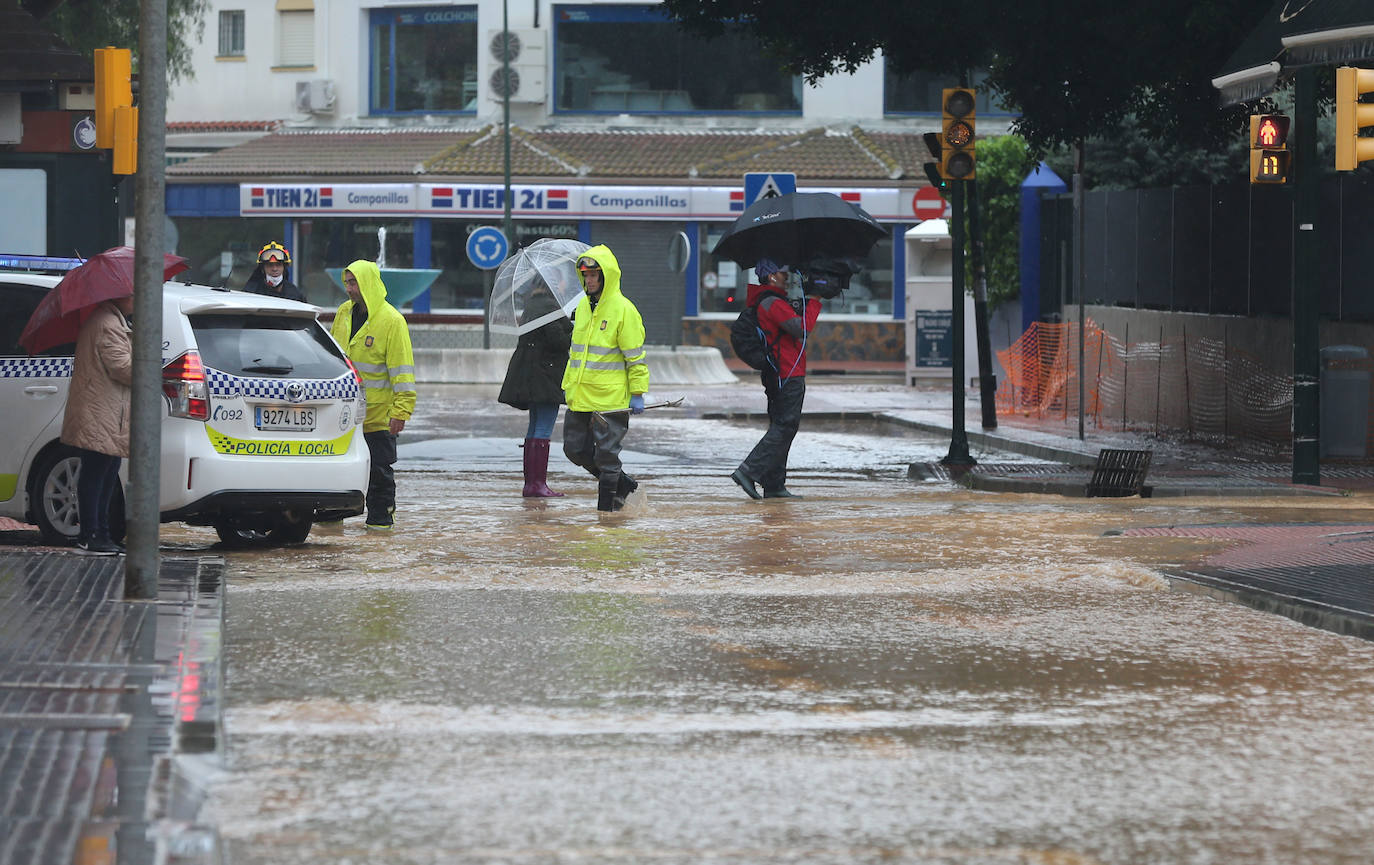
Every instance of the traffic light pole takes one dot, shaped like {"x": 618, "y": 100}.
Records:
{"x": 1306, "y": 291}
{"x": 958, "y": 444}
{"x": 987, "y": 379}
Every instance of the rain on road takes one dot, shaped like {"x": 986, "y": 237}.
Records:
{"x": 885, "y": 671}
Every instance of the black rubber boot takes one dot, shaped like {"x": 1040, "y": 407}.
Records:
{"x": 623, "y": 488}
{"x": 605, "y": 497}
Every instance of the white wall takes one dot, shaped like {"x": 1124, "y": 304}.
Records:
{"x": 249, "y": 89}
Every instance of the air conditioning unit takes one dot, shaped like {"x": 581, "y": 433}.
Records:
{"x": 76, "y": 97}
{"x": 525, "y": 51}
{"x": 315, "y": 97}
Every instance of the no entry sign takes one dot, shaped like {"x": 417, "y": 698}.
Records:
{"x": 927, "y": 204}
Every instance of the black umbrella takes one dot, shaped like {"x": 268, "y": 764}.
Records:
{"x": 799, "y": 227}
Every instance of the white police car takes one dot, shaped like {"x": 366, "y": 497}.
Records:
{"x": 262, "y": 414}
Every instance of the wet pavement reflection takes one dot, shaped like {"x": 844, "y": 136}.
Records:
{"x": 884, "y": 671}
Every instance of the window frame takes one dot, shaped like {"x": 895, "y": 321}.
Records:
{"x": 391, "y": 17}
{"x": 236, "y": 20}
{"x": 648, "y": 13}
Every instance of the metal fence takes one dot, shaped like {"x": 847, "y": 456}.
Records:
{"x": 1214, "y": 249}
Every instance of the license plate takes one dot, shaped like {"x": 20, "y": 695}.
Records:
{"x": 288, "y": 417}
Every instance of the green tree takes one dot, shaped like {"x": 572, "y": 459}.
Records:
{"x": 1002, "y": 165}
{"x": 86, "y": 25}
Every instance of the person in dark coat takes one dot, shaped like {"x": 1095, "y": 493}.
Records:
{"x": 534, "y": 383}
{"x": 270, "y": 278}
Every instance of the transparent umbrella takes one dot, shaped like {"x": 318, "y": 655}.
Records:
{"x": 537, "y": 285}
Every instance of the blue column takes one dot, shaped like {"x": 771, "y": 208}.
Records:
{"x": 691, "y": 294}
{"x": 421, "y": 256}
{"x": 899, "y": 272}
{"x": 1038, "y": 183}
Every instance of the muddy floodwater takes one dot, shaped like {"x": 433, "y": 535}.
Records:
{"x": 885, "y": 671}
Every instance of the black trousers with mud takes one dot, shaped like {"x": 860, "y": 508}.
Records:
{"x": 593, "y": 441}
{"x": 767, "y": 462}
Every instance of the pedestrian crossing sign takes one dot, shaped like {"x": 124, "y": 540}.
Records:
{"x": 760, "y": 185}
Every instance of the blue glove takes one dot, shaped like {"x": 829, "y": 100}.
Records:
{"x": 637, "y": 404}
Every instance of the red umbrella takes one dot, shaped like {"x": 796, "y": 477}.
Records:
{"x": 107, "y": 276}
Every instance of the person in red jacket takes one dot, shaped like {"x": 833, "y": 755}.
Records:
{"x": 784, "y": 381}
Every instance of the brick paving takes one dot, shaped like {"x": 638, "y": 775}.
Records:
{"x": 97, "y": 697}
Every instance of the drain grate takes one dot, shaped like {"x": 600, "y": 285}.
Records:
{"x": 1119, "y": 473}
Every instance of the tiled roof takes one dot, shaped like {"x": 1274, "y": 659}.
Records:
{"x": 625, "y": 155}
{"x": 185, "y": 126}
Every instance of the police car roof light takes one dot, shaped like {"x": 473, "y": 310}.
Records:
{"x": 39, "y": 262}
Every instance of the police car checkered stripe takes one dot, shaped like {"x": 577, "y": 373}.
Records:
{"x": 225, "y": 386}
{"x": 222, "y": 385}
{"x": 35, "y": 367}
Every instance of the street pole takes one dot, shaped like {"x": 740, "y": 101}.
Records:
{"x": 958, "y": 444}
{"x": 145, "y": 410}
{"x": 1306, "y": 292}
{"x": 1079, "y": 277}
{"x": 987, "y": 379}
{"x": 505, "y": 144}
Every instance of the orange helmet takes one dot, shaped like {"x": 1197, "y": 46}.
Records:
{"x": 274, "y": 252}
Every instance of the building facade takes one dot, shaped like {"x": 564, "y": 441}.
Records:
{"x": 350, "y": 128}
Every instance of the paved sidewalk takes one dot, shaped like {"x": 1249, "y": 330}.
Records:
{"x": 101, "y": 701}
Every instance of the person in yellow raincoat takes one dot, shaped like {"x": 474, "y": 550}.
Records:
{"x": 606, "y": 377}
{"x": 377, "y": 340}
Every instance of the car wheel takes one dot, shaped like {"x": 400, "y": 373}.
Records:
{"x": 292, "y": 527}
{"x": 52, "y": 496}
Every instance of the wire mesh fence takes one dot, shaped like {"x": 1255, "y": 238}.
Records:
{"x": 1190, "y": 388}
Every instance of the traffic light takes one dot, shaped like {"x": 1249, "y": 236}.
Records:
{"x": 956, "y": 139}
{"x": 1269, "y": 156}
{"x": 113, "y": 89}
{"x": 1352, "y": 116}
{"x": 125, "y": 157}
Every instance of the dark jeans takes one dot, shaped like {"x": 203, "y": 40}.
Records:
{"x": 595, "y": 445}
{"x": 767, "y": 462}
{"x": 381, "y": 483}
{"x": 95, "y": 489}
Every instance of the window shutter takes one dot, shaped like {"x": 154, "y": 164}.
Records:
{"x": 296, "y": 32}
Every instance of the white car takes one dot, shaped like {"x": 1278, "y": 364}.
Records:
{"x": 262, "y": 418}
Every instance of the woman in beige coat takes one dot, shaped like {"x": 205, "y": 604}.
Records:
{"x": 97, "y": 418}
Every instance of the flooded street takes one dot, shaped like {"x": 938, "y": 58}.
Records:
{"x": 885, "y": 671}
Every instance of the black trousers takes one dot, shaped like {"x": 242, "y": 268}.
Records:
{"x": 381, "y": 483}
{"x": 594, "y": 444}
{"x": 95, "y": 489}
{"x": 767, "y": 462}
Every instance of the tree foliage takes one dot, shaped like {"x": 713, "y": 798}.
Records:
{"x": 1071, "y": 69}
{"x": 86, "y": 25}
{"x": 1002, "y": 165}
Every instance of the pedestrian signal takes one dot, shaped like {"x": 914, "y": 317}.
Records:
{"x": 1352, "y": 116}
{"x": 957, "y": 160}
{"x": 1270, "y": 159}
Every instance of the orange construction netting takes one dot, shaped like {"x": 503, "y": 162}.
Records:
{"x": 1198, "y": 388}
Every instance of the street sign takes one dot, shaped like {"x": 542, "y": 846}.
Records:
{"x": 927, "y": 204}
{"x": 487, "y": 247}
{"x": 763, "y": 185}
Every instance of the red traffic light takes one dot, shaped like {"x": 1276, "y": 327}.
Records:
{"x": 1269, "y": 131}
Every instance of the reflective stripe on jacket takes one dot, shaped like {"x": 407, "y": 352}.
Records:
{"x": 606, "y": 361}
{"x": 380, "y": 350}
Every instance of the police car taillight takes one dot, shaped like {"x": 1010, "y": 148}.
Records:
{"x": 183, "y": 383}
{"x": 362, "y": 393}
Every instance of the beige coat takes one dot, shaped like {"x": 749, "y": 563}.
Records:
{"x": 97, "y": 417}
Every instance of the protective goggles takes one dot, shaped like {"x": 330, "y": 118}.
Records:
{"x": 587, "y": 264}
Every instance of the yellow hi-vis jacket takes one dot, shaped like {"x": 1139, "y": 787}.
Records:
{"x": 606, "y": 360}
{"x": 380, "y": 350}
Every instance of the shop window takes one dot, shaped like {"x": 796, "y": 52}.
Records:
{"x": 723, "y": 284}
{"x": 423, "y": 60}
{"x": 461, "y": 286}
{"x": 634, "y": 59}
{"x": 231, "y": 33}
{"x": 920, "y": 92}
